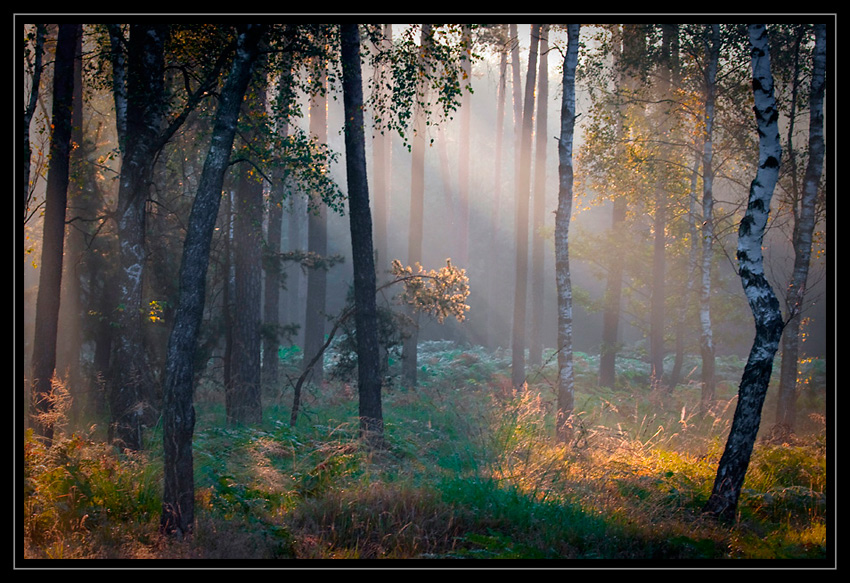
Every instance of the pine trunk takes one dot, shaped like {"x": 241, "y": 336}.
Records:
{"x": 131, "y": 393}
{"x": 315, "y": 319}
{"x": 50, "y": 278}
{"x": 803, "y": 229}
{"x": 245, "y": 403}
{"x": 523, "y": 192}
{"x": 178, "y": 419}
{"x": 410, "y": 358}
{"x": 535, "y": 344}
{"x": 360, "y": 219}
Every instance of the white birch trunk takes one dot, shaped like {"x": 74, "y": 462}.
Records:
{"x": 706, "y": 336}
{"x": 732, "y": 468}
{"x": 562, "y": 254}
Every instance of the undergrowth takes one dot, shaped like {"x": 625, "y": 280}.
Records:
{"x": 470, "y": 472}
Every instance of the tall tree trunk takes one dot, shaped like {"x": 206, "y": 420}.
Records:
{"x": 463, "y": 151}
{"x": 803, "y": 229}
{"x": 689, "y": 282}
{"x": 613, "y": 299}
{"x": 50, "y": 278}
{"x": 272, "y": 267}
{"x": 296, "y": 288}
{"x": 566, "y": 398}
{"x": 38, "y": 68}
{"x": 382, "y": 175}
{"x": 360, "y": 219}
{"x": 70, "y": 310}
{"x": 490, "y": 330}
{"x": 245, "y": 401}
{"x": 706, "y": 336}
{"x": 732, "y": 468}
{"x": 415, "y": 234}
{"x": 657, "y": 319}
{"x": 131, "y": 393}
{"x": 178, "y": 509}
{"x": 518, "y": 335}
{"x": 659, "y": 257}
{"x": 614, "y": 282}
{"x": 315, "y": 319}
{"x": 535, "y": 341}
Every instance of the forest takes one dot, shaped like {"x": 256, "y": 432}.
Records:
{"x": 419, "y": 293}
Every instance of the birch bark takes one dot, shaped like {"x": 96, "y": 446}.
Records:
{"x": 732, "y": 468}
{"x": 562, "y": 253}
{"x": 706, "y": 336}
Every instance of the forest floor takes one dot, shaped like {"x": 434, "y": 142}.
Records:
{"x": 470, "y": 471}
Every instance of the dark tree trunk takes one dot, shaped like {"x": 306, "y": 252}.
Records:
{"x": 463, "y": 152}
{"x": 50, "y": 278}
{"x": 538, "y": 220}
{"x": 613, "y": 300}
{"x": 272, "y": 283}
{"x": 732, "y": 468}
{"x": 382, "y": 175}
{"x": 178, "y": 510}
{"x": 410, "y": 356}
{"x": 245, "y": 404}
{"x": 70, "y": 312}
{"x": 131, "y": 393}
{"x": 315, "y": 319}
{"x": 803, "y": 229}
{"x": 658, "y": 287}
{"x": 491, "y": 334}
{"x": 29, "y": 111}
{"x": 631, "y": 42}
{"x": 518, "y": 334}
{"x": 360, "y": 218}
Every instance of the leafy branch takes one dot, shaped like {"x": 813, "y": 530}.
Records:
{"x": 440, "y": 293}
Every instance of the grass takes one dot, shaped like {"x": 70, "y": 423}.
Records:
{"x": 471, "y": 472}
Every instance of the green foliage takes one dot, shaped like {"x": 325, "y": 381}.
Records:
{"x": 78, "y": 485}
{"x": 470, "y": 471}
{"x": 411, "y": 76}
{"x": 439, "y": 293}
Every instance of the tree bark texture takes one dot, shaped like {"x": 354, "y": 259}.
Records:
{"x": 360, "y": 220}
{"x": 245, "y": 403}
{"x": 50, "y": 278}
{"x": 732, "y": 468}
{"x": 493, "y": 278}
{"x": 463, "y": 167}
{"x": 410, "y": 358}
{"x": 382, "y": 173}
{"x": 131, "y": 395}
{"x": 315, "y": 319}
{"x": 178, "y": 509}
{"x": 625, "y": 39}
{"x": 706, "y": 332}
{"x": 69, "y": 335}
{"x": 272, "y": 270}
{"x": 538, "y": 216}
{"x": 29, "y": 111}
{"x": 803, "y": 230}
{"x": 523, "y": 193}
{"x": 562, "y": 249}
